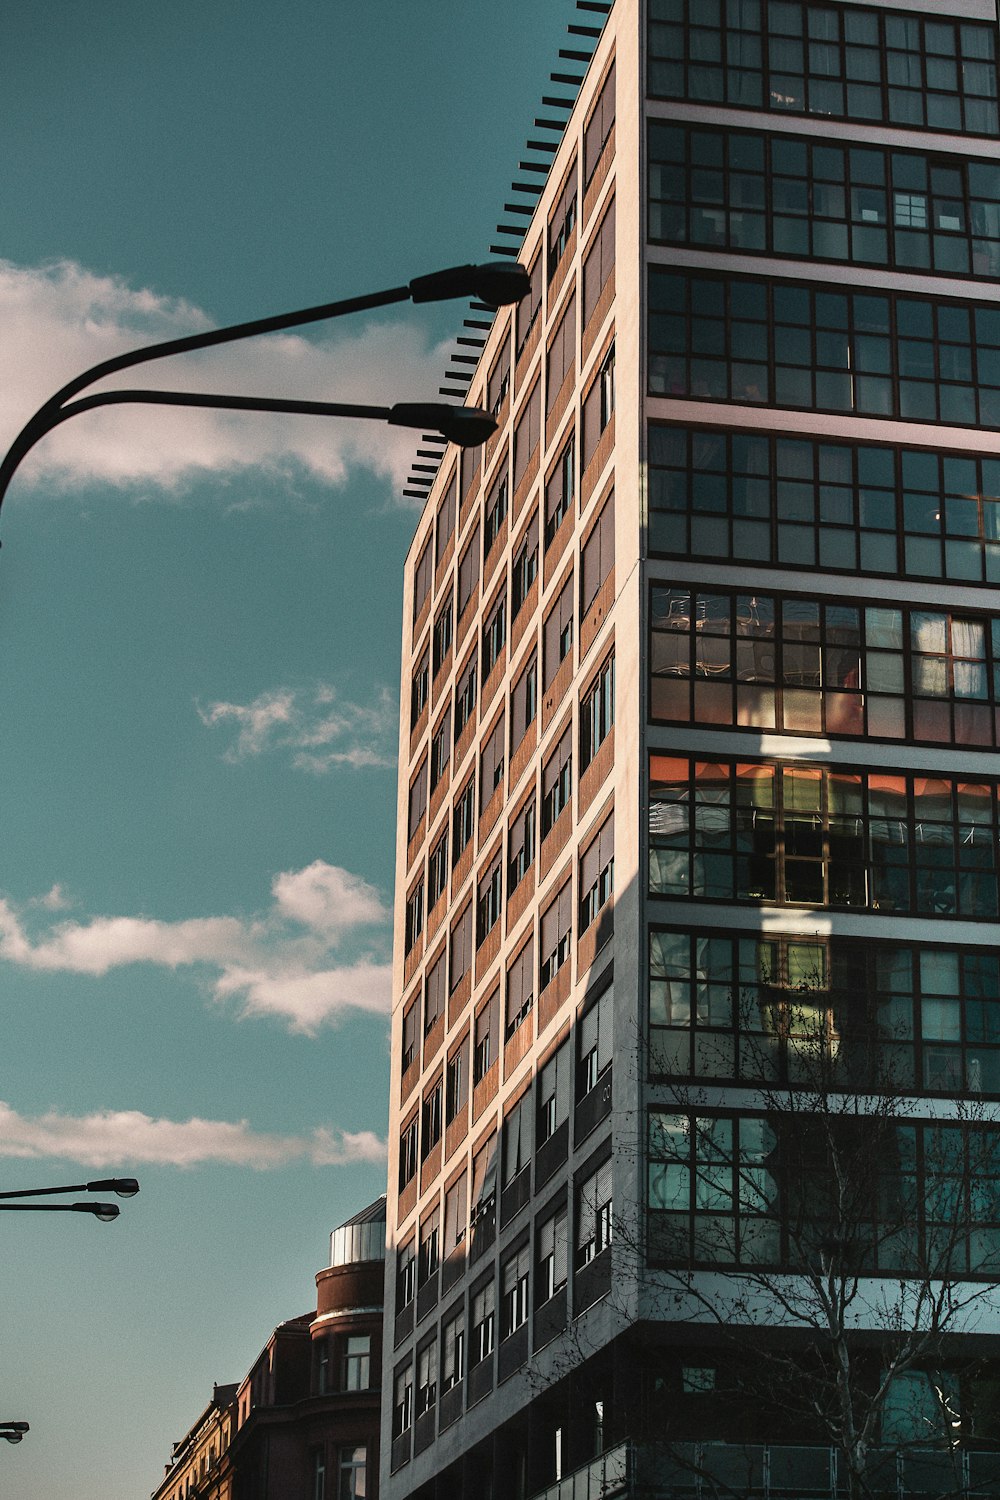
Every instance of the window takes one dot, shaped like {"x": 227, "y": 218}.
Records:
{"x": 907, "y": 75}
{"x": 437, "y": 870}
{"x": 561, "y": 357}
{"x": 563, "y": 222}
{"x": 523, "y": 703}
{"x": 419, "y": 688}
{"x": 461, "y": 947}
{"x": 471, "y": 459}
{"x": 553, "y": 1256}
{"x": 422, "y": 580}
{"x": 402, "y": 1401}
{"x": 414, "y": 916}
{"x": 456, "y": 1214}
{"x": 406, "y": 1277}
{"x": 457, "y": 1082}
{"x": 520, "y": 988}
{"x": 491, "y": 764}
{"x": 495, "y": 634}
{"x": 408, "y": 1153}
{"x": 526, "y": 434}
{"x": 594, "y": 1214}
{"x": 357, "y": 1362}
{"x": 598, "y": 406}
{"x": 429, "y": 1257}
{"x": 463, "y": 820}
{"x": 483, "y": 1312}
{"x": 516, "y": 1140}
{"x": 514, "y": 1273}
{"x": 453, "y": 1352}
{"x": 598, "y": 129}
{"x": 560, "y": 490}
{"x": 465, "y": 695}
{"x": 319, "y": 1475}
{"x": 827, "y": 837}
{"x": 489, "y": 903}
{"x": 557, "y": 634}
{"x": 555, "y": 936}
{"x": 598, "y": 556}
{"x": 595, "y": 1044}
{"x": 431, "y": 1124}
{"x": 524, "y": 569}
{"x": 498, "y": 385}
{"x": 410, "y": 1024}
{"x": 553, "y": 1094}
{"x": 487, "y": 1020}
{"x": 468, "y": 573}
{"x": 820, "y": 200}
{"x": 353, "y": 1474}
{"x": 557, "y": 776}
{"x": 529, "y": 309}
{"x": 441, "y": 748}
{"x": 597, "y": 873}
{"x": 852, "y": 352}
{"x": 496, "y": 511}
{"x": 446, "y": 520}
{"x": 322, "y": 1351}
{"x": 521, "y": 846}
{"x": 418, "y": 800}
{"x": 599, "y": 266}
{"x": 426, "y": 1377}
{"x": 443, "y": 634}
{"x": 484, "y": 1197}
{"x": 597, "y": 713}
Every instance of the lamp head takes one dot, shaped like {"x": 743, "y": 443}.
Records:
{"x": 13, "y": 1432}
{"x": 467, "y": 426}
{"x": 103, "y": 1211}
{"x": 496, "y": 282}
{"x": 125, "y": 1187}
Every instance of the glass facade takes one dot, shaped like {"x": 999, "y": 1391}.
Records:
{"x": 809, "y": 198}
{"x": 850, "y": 62}
{"x": 798, "y": 502}
{"x": 768, "y": 343}
{"x": 763, "y": 833}
{"x": 816, "y": 666}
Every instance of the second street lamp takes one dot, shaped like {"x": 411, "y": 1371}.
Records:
{"x": 123, "y": 1187}
{"x": 497, "y": 283}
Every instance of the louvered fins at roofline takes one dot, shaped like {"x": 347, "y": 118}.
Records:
{"x": 599, "y": 11}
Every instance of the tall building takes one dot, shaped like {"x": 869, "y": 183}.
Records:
{"x": 701, "y": 664}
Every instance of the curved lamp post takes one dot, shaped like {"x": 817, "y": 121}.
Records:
{"x": 13, "y": 1432}
{"x": 123, "y": 1187}
{"x": 497, "y": 283}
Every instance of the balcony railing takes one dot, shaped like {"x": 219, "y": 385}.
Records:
{"x": 719, "y": 1471}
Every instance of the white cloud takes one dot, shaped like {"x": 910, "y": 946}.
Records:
{"x": 124, "y": 1138}
{"x": 318, "y": 727}
{"x": 288, "y": 962}
{"x": 59, "y": 319}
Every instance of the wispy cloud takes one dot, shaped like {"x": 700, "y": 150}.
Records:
{"x": 128, "y": 1137}
{"x": 319, "y": 728}
{"x": 289, "y": 962}
{"x": 59, "y": 319}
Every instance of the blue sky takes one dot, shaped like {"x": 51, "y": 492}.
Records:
{"x": 199, "y": 657}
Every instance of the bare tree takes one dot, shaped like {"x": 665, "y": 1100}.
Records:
{"x": 840, "y": 1238}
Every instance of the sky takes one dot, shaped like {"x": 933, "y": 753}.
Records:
{"x": 199, "y": 663}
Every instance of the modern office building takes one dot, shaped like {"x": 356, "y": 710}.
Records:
{"x": 701, "y": 664}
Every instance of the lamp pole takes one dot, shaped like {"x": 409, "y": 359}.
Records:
{"x": 498, "y": 283}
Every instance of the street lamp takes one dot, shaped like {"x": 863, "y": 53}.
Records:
{"x": 123, "y": 1187}
{"x": 496, "y": 283}
{"x": 13, "y": 1432}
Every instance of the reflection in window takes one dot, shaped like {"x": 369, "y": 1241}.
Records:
{"x": 817, "y": 836}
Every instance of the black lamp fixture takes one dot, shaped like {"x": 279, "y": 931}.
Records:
{"x": 494, "y": 283}
{"x": 13, "y": 1432}
{"x": 122, "y": 1187}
